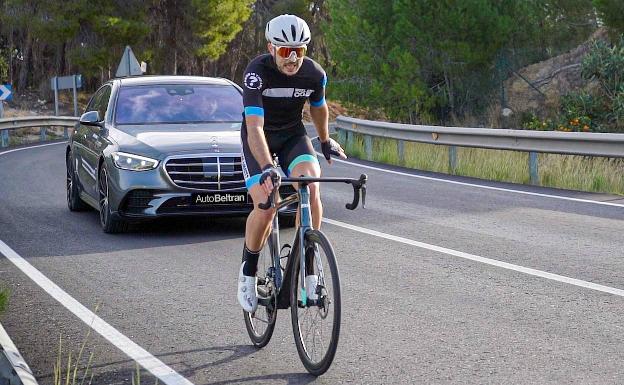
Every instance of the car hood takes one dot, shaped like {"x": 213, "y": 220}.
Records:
{"x": 167, "y": 139}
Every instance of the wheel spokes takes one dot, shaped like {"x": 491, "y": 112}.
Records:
{"x": 103, "y": 196}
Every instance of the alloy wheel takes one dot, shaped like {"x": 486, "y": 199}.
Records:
{"x": 103, "y": 188}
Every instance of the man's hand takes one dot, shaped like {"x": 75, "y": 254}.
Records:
{"x": 270, "y": 179}
{"x": 331, "y": 147}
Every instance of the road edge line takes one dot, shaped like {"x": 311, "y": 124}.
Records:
{"x": 128, "y": 347}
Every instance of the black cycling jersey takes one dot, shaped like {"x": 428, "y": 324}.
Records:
{"x": 279, "y": 98}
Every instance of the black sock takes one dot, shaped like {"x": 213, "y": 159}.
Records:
{"x": 251, "y": 258}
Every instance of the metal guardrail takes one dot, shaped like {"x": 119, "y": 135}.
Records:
{"x": 13, "y": 368}
{"x": 43, "y": 122}
{"x": 570, "y": 143}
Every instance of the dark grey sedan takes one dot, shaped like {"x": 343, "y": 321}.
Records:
{"x": 156, "y": 146}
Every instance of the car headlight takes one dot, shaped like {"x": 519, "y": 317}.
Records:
{"x": 133, "y": 162}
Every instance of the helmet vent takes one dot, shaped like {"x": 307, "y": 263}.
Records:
{"x": 301, "y": 38}
{"x": 284, "y": 34}
{"x": 294, "y": 32}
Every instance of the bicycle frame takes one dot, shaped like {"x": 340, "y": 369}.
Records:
{"x": 305, "y": 224}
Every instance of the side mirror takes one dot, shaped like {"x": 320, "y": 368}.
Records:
{"x": 91, "y": 118}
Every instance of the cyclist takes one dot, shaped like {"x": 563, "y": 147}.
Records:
{"x": 275, "y": 88}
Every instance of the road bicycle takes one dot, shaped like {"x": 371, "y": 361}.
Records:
{"x": 315, "y": 311}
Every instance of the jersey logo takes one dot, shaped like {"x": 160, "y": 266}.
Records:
{"x": 253, "y": 81}
{"x": 302, "y": 92}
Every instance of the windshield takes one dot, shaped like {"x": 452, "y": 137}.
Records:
{"x": 178, "y": 103}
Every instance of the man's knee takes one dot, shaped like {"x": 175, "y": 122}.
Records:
{"x": 315, "y": 192}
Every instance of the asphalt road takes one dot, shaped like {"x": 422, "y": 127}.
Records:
{"x": 411, "y": 313}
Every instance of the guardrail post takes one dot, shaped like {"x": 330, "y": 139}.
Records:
{"x": 401, "y": 151}
{"x": 342, "y": 136}
{"x": 452, "y": 159}
{"x": 368, "y": 146}
{"x": 4, "y": 134}
{"x": 348, "y": 138}
{"x": 533, "y": 170}
{"x": 42, "y": 134}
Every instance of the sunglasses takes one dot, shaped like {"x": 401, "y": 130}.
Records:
{"x": 287, "y": 52}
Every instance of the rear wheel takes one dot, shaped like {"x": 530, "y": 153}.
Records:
{"x": 261, "y": 323}
{"x": 316, "y": 324}
{"x": 74, "y": 202}
{"x": 110, "y": 223}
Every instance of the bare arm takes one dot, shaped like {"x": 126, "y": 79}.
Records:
{"x": 257, "y": 142}
{"x": 320, "y": 118}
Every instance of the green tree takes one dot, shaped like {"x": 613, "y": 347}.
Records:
{"x": 612, "y": 13}
{"x": 217, "y": 22}
{"x": 435, "y": 60}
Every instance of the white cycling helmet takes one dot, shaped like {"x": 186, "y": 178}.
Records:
{"x": 287, "y": 31}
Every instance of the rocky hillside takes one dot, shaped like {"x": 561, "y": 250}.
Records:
{"x": 553, "y": 77}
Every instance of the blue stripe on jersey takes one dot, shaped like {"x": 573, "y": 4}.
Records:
{"x": 324, "y": 81}
{"x": 258, "y": 111}
{"x": 319, "y": 103}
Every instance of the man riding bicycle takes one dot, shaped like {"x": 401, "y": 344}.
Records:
{"x": 275, "y": 88}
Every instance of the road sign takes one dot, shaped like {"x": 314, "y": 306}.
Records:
{"x": 65, "y": 82}
{"x": 72, "y": 82}
{"x": 129, "y": 65}
{"x": 6, "y": 92}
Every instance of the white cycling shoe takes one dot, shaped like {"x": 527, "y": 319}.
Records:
{"x": 247, "y": 292}
{"x": 311, "y": 281}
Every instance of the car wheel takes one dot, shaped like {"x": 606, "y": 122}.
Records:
{"x": 74, "y": 202}
{"x": 110, "y": 223}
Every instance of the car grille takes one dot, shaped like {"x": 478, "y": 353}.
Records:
{"x": 212, "y": 173}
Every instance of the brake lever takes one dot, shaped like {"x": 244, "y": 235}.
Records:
{"x": 270, "y": 203}
{"x": 364, "y": 196}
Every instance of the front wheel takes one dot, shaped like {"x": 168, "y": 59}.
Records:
{"x": 261, "y": 323}
{"x": 315, "y": 311}
{"x": 74, "y": 202}
{"x": 110, "y": 223}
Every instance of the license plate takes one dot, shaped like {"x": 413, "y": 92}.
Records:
{"x": 219, "y": 198}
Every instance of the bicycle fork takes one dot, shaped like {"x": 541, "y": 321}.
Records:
{"x": 305, "y": 225}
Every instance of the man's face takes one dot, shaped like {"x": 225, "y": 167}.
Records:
{"x": 288, "y": 66}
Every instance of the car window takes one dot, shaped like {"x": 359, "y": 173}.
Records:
{"x": 94, "y": 99}
{"x": 102, "y": 103}
{"x": 178, "y": 103}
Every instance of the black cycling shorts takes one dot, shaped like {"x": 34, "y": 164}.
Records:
{"x": 292, "y": 146}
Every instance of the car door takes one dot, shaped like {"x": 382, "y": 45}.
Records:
{"x": 93, "y": 142}
{"x": 99, "y": 135}
{"x": 81, "y": 149}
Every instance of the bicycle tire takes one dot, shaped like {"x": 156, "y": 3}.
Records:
{"x": 331, "y": 305}
{"x": 261, "y": 337}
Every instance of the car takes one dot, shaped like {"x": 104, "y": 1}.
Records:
{"x": 159, "y": 146}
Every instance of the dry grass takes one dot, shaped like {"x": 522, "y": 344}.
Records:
{"x": 560, "y": 171}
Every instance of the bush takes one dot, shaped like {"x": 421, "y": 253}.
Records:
{"x": 602, "y": 109}
{"x": 604, "y": 64}
{"x": 4, "y": 299}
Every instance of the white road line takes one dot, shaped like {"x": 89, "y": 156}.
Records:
{"x": 478, "y": 185}
{"x": 31, "y": 147}
{"x": 163, "y": 372}
{"x": 476, "y": 258}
